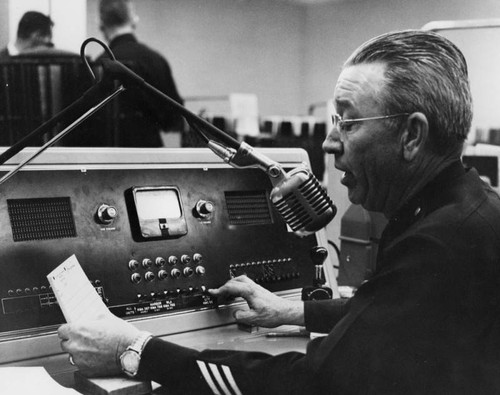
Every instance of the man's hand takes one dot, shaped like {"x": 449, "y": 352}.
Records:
{"x": 265, "y": 308}
{"x": 96, "y": 346}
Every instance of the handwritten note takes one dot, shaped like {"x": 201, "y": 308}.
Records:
{"x": 75, "y": 294}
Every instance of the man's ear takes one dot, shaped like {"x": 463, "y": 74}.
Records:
{"x": 415, "y": 135}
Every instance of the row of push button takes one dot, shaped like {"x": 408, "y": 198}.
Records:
{"x": 163, "y": 274}
{"x": 146, "y": 263}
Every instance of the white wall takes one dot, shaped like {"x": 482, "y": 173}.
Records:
{"x": 218, "y": 47}
{"x": 335, "y": 30}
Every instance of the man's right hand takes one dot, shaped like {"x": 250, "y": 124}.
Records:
{"x": 264, "y": 308}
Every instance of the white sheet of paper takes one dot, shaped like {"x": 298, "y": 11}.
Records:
{"x": 75, "y": 294}
{"x": 30, "y": 380}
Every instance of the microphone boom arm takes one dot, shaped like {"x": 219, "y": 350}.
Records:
{"x": 298, "y": 196}
{"x": 234, "y": 153}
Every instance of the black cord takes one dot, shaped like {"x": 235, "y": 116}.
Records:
{"x": 337, "y": 250}
{"x": 85, "y": 60}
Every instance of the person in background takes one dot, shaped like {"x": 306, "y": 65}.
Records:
{"x": 34, "y": 39}
{"x": 428, "y": 320}
{"x": 141, "y": 118}
{"x": 34, "y": 31}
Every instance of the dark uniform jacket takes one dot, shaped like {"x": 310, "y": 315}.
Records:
{"x": 427, "y": 322}
{"x": 141, "y": 116}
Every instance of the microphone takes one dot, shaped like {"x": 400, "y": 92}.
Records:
{"x": 297, "y": 196}
{"x": 302, "y": 202}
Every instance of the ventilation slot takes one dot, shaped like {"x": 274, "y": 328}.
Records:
{"x": 41, "y": 219}
{"x": 248, "y": 208}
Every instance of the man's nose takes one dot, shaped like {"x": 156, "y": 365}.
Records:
{"x": 333, "y": 144}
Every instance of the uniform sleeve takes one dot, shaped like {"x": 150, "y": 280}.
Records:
{"x": 322, "y": 315}
{"x": 182, "y": 370}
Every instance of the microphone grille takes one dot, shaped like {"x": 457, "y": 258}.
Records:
{"x": 306, "y": 207}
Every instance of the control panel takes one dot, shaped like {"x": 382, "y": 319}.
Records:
{"x": 152, "y": 229}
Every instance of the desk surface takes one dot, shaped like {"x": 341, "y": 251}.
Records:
{"x": 226, "y": 337}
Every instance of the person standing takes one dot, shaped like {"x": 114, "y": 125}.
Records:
{"x": 141, "y": 118}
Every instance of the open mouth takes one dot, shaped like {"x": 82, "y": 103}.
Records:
{"x": 347, "y": 178}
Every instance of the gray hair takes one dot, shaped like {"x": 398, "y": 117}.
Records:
{"x": 425, "y": 73}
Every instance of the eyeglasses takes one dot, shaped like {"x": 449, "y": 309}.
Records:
{"x": 343, "y": 124}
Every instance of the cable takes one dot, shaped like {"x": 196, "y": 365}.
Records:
{"x": 337, "y": 250}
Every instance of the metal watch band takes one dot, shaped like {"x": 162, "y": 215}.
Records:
{"x": 140, "y": 342}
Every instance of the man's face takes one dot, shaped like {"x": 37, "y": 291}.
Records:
{"x": 367, "y": 152}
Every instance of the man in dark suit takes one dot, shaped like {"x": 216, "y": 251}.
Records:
{"x": 428, "y": 320}
{"x": 34, "y": 33}
{"x": 141, "y": 119}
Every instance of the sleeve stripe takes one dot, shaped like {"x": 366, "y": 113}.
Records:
{"x": 207, "y": 377}
{"x": 220, "y": 380}
{"x": 230, "y": 379}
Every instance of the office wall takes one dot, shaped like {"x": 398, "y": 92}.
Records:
{"x": 4, "y": 22}
{"x": 218, "y": 47}
{"x": 333, "y": 31}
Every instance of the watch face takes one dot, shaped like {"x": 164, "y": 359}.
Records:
{"x": 130, "y": 362}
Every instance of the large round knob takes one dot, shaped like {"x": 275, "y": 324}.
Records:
{"x": 188, "y": 272}
{"x": 106, "y": 214}
{"x": 204, "y": 208}
{"x": 175, "y": 273}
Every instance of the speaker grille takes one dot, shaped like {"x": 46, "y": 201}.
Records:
{"x": 41, "y": 219}
{"x": 248, "y": 207}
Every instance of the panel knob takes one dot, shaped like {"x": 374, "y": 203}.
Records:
{"x": 133, "y": 264}
{"x": 172, "y": 260}
{"x": 149, "y": 276}
{"x": 106, "y": 214}
{"x": 204, "y": 208}
{"x": 188, "y": 272}
{"x": 146, "y": 263}
{"x": 159, "y": 261}
{"x": 162, "y": 274}
{"x": 200, "y": 270}
{"x": 135, "y": 278}
{"x": 175, "y": 273}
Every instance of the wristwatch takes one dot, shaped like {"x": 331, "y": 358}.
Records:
{"x": 131, "y": 357}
